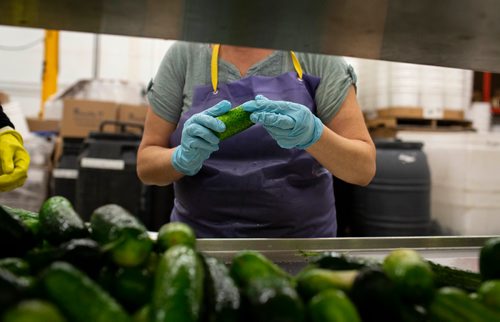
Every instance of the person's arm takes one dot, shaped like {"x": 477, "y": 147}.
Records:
{"x": 154, "y": 159}
{"x": 345, "y": 147}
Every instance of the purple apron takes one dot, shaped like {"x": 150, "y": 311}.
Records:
{"x": 252, "y": 187}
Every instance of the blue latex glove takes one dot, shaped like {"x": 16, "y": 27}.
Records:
{"x": 198, "y": 141}
{"x": 292, "y": 125}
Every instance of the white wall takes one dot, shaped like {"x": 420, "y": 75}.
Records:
{"x": 125, "y": 58}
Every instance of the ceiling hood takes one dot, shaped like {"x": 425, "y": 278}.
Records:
{"x": 454, "y": 33}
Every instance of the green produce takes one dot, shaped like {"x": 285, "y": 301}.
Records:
{"x": 332, "y": 306}
{"x": 121, "y": 234}
{"x": 247, "y": 265}
{"x": 16, "y": 231}
{"x": 272, "y": 299}
{"x": 59, "y": 222}
{"x": 236, "y": 120}
{"x": 12, "y": 288}
{"x": 85, "y": 254}
{"x": 316, "y": 280}
{"x": 17, "y": 266}
{"x": 175, "y": 233}
{"x": 142, "y": 315}
{"x": 79, "y": 297}
{"x": 489, "y": 294}
{"x": 33, "y": 311}
{"x": 375, "y": 297}
{"x": 411, "y": 275}
{"x": 28, "y": 218}
{"x": 489, "y": 259}
{"x": 222, "y": 295}
{"x": 132, "y": 286}
{"x": 451, "y": 304}
{"x": 443, "y": 275}
{"x": 178, "y": 286}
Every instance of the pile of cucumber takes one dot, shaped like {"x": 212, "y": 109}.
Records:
{"x": 56, "y": 268}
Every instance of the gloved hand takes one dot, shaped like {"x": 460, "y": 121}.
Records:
{"x": 198, "y": 141}
{"x": 14, "y": 160}
{"x": 292, "y": 125}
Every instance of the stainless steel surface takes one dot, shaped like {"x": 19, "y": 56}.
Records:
{"x": 456, "y": 251}
{"x": 455, "y": 33}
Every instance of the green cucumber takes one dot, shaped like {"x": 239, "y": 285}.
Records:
{"x": 443, "y": 275}
{"x": 236, "y": 120}
{"x": 247, "y": 265}
{"x": 316, "y": 280}
{"x": 489, "y": 259}
{"x": 375, "y": 297}
{"x": 332, "y": 306}
{"x": 17, "y": 266}
{"x": 121, "y": 234}
{"x": 175, "y": 233}
{"x": 33, "y": 311}
{"x": 79, "y": 297}
{"x": 272, "y": 299}
{"x": 411, "y": 275}
{"x": 142, "y": 315}
{"x": 132, "y": 287}
{"x": 451, "y": 304}
{"x": 178, "y": 286}
{"x": 16, "y": 231}
{"x": 13, "y": 288}
{"x": 489, "y": 294}
{"x": 59, "y": 222}
{"x": 222, "y": 295}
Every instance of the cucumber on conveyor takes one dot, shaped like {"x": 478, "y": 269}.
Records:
{"x": 79, "y": 297}
{"x": 313, "y": 281}
{"x": 451, "y": 304}
{"x": 13, "y": 288}
{"x": 175, "y": 233}
{"x": 33, "y": 311}
{"x": 443, "y": 275}
{"x": 18, "y": 229}
{"x": 121, "y": 234}
{"x": 59, "y": 222}
{"x": 268, "y": 292}
{"x": 17, "y": 266}
{"x": 178, "y": 287}
{"x": 332, "y": 306}
{"x": 222, "y": 297}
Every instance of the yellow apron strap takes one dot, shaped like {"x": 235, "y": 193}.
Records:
{"x": 214, "y": 66}
{"x": 215, "y": 61}
{"x": 296, "y": 64}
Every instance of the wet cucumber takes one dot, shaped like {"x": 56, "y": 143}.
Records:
{"x": 236, "y": 120}
{"x": 79, "y": 297}
{"x": 316, "y": 280}
{"x": 175, "y": 233}
{"x": 454, "y": 305}
{"x": 178, "y": 286}
{"x": 247, "y": 265}
{"x": 489, "y": 294}
{"x": 33, "y": 311}
{"x": 121, "y": 234}
{"x": 13, "y": 288}
{"x": 18, "y": 229}
{"x": 332, "y": 306}
{"x": 17, "y": 266}
{"x": 222, "y": 295}
{"x": 59, "y": 222}
{"x": 411, "y": 275}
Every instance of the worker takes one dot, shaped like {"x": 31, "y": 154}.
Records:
{"x": 14, "y": 160}
{"x": 273, "y": 179}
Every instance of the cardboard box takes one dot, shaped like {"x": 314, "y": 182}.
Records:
{"x": 4, "y": 98}
{"x": 80, "y": 117}
{"x": 37, "y": 125}
{"x": 135, "y": 114}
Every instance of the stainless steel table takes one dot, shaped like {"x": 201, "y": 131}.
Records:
{"x": 456, "y": 251}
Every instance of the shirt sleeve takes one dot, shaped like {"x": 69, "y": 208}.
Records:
{"x": 337, "y": 76}
{"x": 165, "y": 91}
{"x": 4, "y": 119}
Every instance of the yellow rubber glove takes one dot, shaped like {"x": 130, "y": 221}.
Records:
{"x": 14, "y": 160}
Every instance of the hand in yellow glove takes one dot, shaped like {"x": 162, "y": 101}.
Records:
{"x": 14, "y": 160}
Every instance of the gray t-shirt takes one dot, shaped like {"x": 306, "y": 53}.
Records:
{"x": 187, "y": 65}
